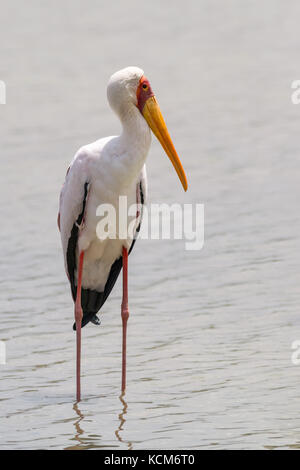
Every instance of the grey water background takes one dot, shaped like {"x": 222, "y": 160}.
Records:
{"x": 210, "y": 331}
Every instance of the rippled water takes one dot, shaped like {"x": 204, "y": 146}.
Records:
{"x": 210, "y": 332}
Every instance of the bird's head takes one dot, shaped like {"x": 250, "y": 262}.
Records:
{"x": 129, "y": 87}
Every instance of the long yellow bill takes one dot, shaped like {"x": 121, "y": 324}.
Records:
{"x": 155, "y": 120}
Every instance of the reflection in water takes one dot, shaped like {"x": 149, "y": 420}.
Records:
{"x": 84, "y": 443}
{"x": 79, "y": 430}
{"x": 122, "y": 421}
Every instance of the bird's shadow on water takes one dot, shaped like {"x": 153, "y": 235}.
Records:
{"x": 79, "y": 436}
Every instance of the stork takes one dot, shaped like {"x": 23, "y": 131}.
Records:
{"x": 100, "y": 173}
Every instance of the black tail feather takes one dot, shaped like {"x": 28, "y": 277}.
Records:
{"x": 90, "y": 317}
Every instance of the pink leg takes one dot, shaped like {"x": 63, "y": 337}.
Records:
{"x": 78, "y": 319}
{"x": 124, "y": 314}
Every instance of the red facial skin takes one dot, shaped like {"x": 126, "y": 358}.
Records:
{"x": 144, "y": 91}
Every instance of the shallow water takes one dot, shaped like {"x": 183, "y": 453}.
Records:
{"x": 210, "y": 332}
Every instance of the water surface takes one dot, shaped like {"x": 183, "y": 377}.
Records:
{"x": 210, "y": 332}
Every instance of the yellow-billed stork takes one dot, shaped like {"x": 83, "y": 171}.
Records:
{"x": 100, "y": 173}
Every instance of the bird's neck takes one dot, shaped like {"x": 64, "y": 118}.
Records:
{"x": 135, "y": 140}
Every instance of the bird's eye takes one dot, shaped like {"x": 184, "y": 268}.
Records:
{"x": 145, "y": 86}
